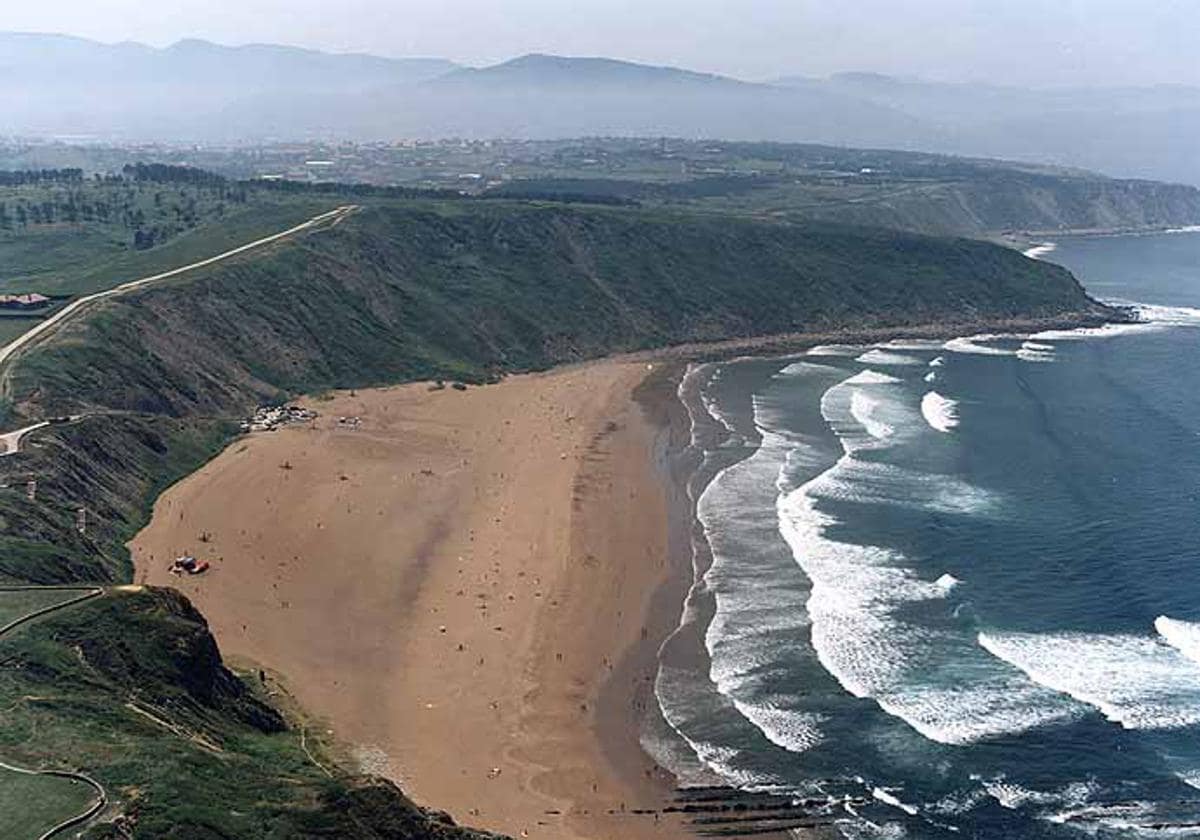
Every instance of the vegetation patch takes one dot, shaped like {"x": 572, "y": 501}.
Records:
{"x": 31, "y": 805}
{"x": 130, "y": 689}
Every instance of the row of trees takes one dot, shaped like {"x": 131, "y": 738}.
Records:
{"x": 40, "y": 176}
{"x": 152, "y": 201}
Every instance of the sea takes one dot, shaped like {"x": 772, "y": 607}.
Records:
{"x": 951, "y": 589}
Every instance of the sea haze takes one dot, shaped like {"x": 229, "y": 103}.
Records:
{"x": 954, "y": 585}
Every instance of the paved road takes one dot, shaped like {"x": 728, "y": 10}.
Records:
{"x": 50, "y": 323}
{"x": 12, "y": 440}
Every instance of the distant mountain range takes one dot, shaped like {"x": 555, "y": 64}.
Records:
{"x": 195, "y": 91}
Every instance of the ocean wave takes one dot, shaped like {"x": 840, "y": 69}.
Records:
{"x": 755, "y": 612}
{"x": 863, "y": 482}
{"x": 878, "y": 356}
{"x": 835, "y": 350}
{"x": 932, "y": 677}
{"x": 888, "y": 798}
{"x": 916, "y": 344}
{"x": 1039, "y": 251}
{"x": 864, "y": 407}
{"x": 1127, "y": 819}
{"x": 871, "y": 377}
{"x": 973, "y": 345}
{"x": 1014, "y": 796}
{"x": 941, "y": 413}
{"x": 937, "y": 361}
{"x": 1184, "y": 636}
{"x": 858, "y": 480}
{"x": 803, "y": 368}
{"x": 947, "y": 582}
{"x": 793, "y": 730}
{"x": 929, "y": 677}
{"x": 1150, "y": 318}
{"x": 1138, "y": 682}
{"x": 866, "y": 830}
{"x": 1033, "y": 351}
{"x": 701, "y": 718}
{"x": 1179, "y": 316}
{"x": 1105, "y": 331}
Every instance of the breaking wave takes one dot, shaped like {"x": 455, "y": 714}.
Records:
{"x": 878, "y": 356}
{"x": 941, "y": 413}
{"x": 1138, "y": 682}
{"x": 1184, "y": 636}
{"x": 1039, "y": 251}
{"x": 974, "y": 344}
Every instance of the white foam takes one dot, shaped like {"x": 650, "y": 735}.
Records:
{"x": 1150, "y": 318}
{"x": 973, "y": 345}
{"x": 1179, "y": 316}
{"x": 753, "y": 610}
{"x": 938, "y": 361}
{"x": 791, "y": 729}
{"x": 860, "y": 829}
{"x": 888, "y": 798}
{"x": 1033, "y": 351}
{"x": 835, "y": 350}
{"x": 1039, "y": 251}
{"x": 1123, "y": 819}
{"x": 864, "y": 407}
{"x": 931, "y": 377}
{"x": 683, "y": 702}
{"x": 947, "y": 582}
{"x": 858, "y": 593}
{"x": 802, "y": 368}
{"x": 1105, "y": 331}
{"x": 878, "y": 356}
{"x": 862, "y": 481}
{"x": 1014, "y": 796}
{"x": 935, "y": 679}
{"x": 941, "y": 413}
{"x": 913, "y": 344}
{"x": 872, "y": 377}
{"x": 1138, "y": 682}
{"x": 1184, "y": 636}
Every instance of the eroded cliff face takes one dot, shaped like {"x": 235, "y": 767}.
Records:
{"x": 397, "y": 293}
{"x": 468, "y": 291}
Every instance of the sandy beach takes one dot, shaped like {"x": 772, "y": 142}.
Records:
{"x": 458, "y": 584}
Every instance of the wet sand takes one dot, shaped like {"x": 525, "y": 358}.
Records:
{"x": 462, "y": 586}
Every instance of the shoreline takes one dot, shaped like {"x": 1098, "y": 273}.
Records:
{"x": 515, "y": 710}
{"x": 612, "y": 776}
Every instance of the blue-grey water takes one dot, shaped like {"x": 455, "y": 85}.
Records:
{"x": 955, "y": 586}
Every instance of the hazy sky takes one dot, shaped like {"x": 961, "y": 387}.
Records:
{"x": 1016, "y": 41}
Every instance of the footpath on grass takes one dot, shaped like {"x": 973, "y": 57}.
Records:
{"x": 20, "y": 605}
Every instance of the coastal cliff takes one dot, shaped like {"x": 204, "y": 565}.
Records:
{"x": 398, "y": 292}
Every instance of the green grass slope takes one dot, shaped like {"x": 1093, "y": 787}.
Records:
{"x": 416, "y": 291}
{"x": 31, "y": 805}
{"x": 130, "y": 689}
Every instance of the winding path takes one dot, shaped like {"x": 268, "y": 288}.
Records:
{"x": 12, "y": 440}
{"x": 86, "y": 594}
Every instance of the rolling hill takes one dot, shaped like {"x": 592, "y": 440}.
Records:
{"x": 196, "y": 91}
